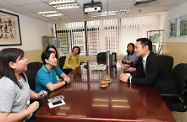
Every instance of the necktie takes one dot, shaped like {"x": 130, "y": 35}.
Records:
{"x": 144, "y": 65}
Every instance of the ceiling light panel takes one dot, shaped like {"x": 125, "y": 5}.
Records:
{"x": 109, "y": 13}
{"x": 50, "y": 13}
{"x": 63, "y": 4}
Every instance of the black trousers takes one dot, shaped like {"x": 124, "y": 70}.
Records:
{"x": 67, "y": 71}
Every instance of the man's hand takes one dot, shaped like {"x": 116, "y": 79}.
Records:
{"x": 124, "y": 78}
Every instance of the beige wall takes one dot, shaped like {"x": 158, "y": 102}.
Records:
{"x": 177, "y": 50}
{"x": 33, "y": 55}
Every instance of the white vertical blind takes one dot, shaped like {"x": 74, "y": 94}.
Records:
{"x": 137, "y": 27}
{"x": 111, "y": 34}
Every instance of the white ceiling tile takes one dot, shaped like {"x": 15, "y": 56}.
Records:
{"x": 4, "y": 4}
{"x": 22, "y": 2}
{"x": 31, "y": 7}
{"x": 38, "y": 7}
{"x": 117, "y": 6}
{"x": 172, "y": 2}
{"x": 161, "y": 8}
{"x": 18, "y": 9}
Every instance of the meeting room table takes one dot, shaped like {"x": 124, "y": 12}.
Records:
{"x": 86, "y": 101}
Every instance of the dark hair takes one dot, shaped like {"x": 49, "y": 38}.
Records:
{"x": 132, "y": 51}
{"x": 45, "y": 55}
{"x": 8, "y": 55}
{"x": 144, "y": 42}
{"x": 78, "y": 49}
{"x": 51, "y": 46}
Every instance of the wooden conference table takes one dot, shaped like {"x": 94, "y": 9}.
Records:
{"x": 87, "y": 102}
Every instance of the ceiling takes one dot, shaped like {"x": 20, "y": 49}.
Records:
{"x": 31, "y": 7}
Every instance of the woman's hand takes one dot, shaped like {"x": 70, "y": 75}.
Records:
{"x": 131, "y": 69}
{"x": 73, "y": 68}
{"x": 67, "y": 79}
{"x": 42, "y": 94}
{"x": 126, "y": 66}
{"x": 33, "y": 107}
{"x": 128, "y": 61}
{"x": 59, "y": 80}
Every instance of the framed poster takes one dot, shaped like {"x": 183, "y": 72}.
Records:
{"x": 9, "y": 29}
{"x": 183, "y": 25}
{"x": 173, "y": 28}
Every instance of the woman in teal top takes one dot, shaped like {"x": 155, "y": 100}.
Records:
{"x": 46, "y": 78}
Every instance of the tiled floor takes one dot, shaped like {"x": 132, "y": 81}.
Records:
{"x": 180, "y": 116}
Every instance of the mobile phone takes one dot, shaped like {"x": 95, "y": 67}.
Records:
{"x": 57, "y": 102}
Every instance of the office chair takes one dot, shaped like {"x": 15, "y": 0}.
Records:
{"x": 101, "y": 58}
{"x": 167, "y": 60}
{"x": 62, "y": 61}
{"x": 31, "y": 76}
{"x": 34, "y": 66}
{"x": 179, "y": 74}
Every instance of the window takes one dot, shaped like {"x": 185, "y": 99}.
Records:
{"x": 108, "y": 35}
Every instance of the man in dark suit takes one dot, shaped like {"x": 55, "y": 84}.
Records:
{"x": 152, "y": 71}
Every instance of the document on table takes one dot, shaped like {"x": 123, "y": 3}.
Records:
{"x": 56, "y": 101}
{"x": 55, "y": 104}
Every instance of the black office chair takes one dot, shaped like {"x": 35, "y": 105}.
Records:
{"x": 31, "y": 76}
{"x": 62, "y": 61}
{"x": 179, "y": 74}
{"x": 167, "y": 60}
{"x": 34, "y": 66}
{"x": 101, "y": 58}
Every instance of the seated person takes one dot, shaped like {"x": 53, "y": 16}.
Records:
{"x": 15, "y": 92}
{"x": 46, "y": 76}
{"x": 130, "y": 60}
{"x": 152, "y": 71}
{"x": 53, "y": 49}
{"x": 129, "y": 68}
{"x": 131, "y": 57}
{"x": 72, "y": 60}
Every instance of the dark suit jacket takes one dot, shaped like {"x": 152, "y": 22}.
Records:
{"x": 156, "y": 75}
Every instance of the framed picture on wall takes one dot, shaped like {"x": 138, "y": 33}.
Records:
{"x": 173, "y": 28}
{"x": 9, "y": 29}
{"x": 183, "y": 25}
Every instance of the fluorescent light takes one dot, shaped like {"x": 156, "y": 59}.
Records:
{"x": 109, "y": 13}
{"x": 50, "y": 13}
{"x": 63, "y": 4}
{"x": 60, "y": 1}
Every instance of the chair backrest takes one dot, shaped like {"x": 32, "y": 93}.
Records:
{"x": 180, "y": 75}
{"x": 167, "y": 60}
{"x": 31, "y": 76}
{"x": 101, "y": 58}
{"x": 62, "y": 61}
{"x": 34, "y": 66}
